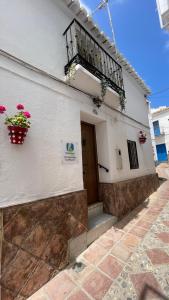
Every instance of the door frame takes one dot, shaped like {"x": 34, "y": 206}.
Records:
{"x": 95, "y": 154}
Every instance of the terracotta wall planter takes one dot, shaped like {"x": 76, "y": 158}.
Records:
{"x": 17, "y": 134}
{"x": 142, "y": 140}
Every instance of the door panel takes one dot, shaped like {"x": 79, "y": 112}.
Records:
{"x": 89, "y": 157}
{"x": 161, "y": 152}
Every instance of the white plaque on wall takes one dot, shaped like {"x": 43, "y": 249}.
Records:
{"x": 70, "y": 152}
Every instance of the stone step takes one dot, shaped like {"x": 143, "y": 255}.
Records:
{"x": 98, "y": 224}
{"x": 95, "y": 209}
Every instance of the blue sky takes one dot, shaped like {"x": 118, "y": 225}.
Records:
{"x": 141, "y": 40}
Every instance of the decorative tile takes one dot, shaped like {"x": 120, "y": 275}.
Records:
{"x": 164, "y": 237}
{"x": 18, "y": 271}
{"x": 56, "y": 251}
{"x": 139, "y": 262}
{"x": 105, "y": 242}
{"x": 158, "y": 256}
{"x": 162, "y": 275}
{"x": 144, "y": 224}
{"x": 121, "y": 252}
{"x": 151, "y": 241}
{"x": 97, "y": 285}
{"x": 40, "y": 295}
{"x": 131, "y": 241}
{"x": 138, "y": 231}
{"x": 142, "y": 282}
{"x": 79, "y": 277}
{"x": 111, "y": 266}
{"x": 8, "y": 253}
{"x": 95, "y": 253}
{"x": 42, "y": 275}
{"x": 17, "y": 230}
{"x": 121, "y": 289}
{"x": 166, "y": 223}
{"x": 79, "y": 295}
{"x": 59, "y": 287}
{"x": 6, "y": 294}
{"x": 37, "y": 241}
{"x": 114, "y": 234}
{"x": 148, "y": 217}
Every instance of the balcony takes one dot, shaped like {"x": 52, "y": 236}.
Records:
{"x": 91, "y": 63}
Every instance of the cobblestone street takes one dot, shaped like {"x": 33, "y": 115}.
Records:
{"x": 130, "y": 261}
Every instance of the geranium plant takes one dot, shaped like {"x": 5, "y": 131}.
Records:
{"x": 17, "y": 124}
{"x": 20, "y": 119}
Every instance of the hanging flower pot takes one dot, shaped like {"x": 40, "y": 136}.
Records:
{"x": 17, "y": 134}
{"x": 142, "y": 137}
{"x": 142, "y": 140}
{"x": 17, "y": 124}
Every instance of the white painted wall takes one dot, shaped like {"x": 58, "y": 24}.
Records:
{"x": 152, "y": 135}
{"x": 163, "y": 118}
{"x": 163, "y": 5}
{"x": 136, "y": 104}
{"x": 32, "y": 31}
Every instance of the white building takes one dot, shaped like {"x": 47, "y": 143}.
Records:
{"x": 163, "y": 11}
{"x": 160, "y": 121}
{"x": 152, "y": 135}
{"x": 107, "y": 166}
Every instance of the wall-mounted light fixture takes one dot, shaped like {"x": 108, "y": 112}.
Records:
{"x": 97, "y": 101}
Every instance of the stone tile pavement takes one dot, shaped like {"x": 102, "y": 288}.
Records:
{"x": 130, "y": 261}
{"x": 163, "y": 170}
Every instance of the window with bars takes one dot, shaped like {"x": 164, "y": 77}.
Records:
{"x": 133, "y": 157}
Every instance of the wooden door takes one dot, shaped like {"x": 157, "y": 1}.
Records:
{"x": 89, "y": 157}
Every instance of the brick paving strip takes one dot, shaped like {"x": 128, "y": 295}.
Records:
{"x": 130, "y": 261}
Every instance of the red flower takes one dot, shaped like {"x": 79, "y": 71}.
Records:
{"x": 20, "y": 106}
{"x": 2, "y": 109}
{"x": 27, "y": 114}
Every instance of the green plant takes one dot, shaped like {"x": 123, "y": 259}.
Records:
{"x": 71, "y": 72}
{"x": 20, "y": 119}
{"x": 104, "y": 86}
{"x": 122, "y": 101}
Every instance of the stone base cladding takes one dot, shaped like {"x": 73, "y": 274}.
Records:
{"x": 35, "y": 241}
{"x": 121, "y": 197}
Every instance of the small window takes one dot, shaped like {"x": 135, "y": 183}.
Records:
{"x": 156, "y": 128}
{"x": 133, "y": 157}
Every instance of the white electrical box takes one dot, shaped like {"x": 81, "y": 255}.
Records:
{"x": 119, "y": 164}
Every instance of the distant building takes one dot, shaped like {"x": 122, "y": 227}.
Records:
{"x": 152, "y": 135}
{"x": 163, "y": 11}
{"x": 160, "y": 121}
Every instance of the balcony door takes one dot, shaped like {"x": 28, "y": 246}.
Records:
{"x": 89, "y": 158}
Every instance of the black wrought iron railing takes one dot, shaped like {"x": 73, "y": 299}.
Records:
{"x": 102, "y": 167}
{"x": 83, "y": 49}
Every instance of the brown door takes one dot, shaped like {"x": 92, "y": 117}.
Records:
{"x": 89, "y": 157}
